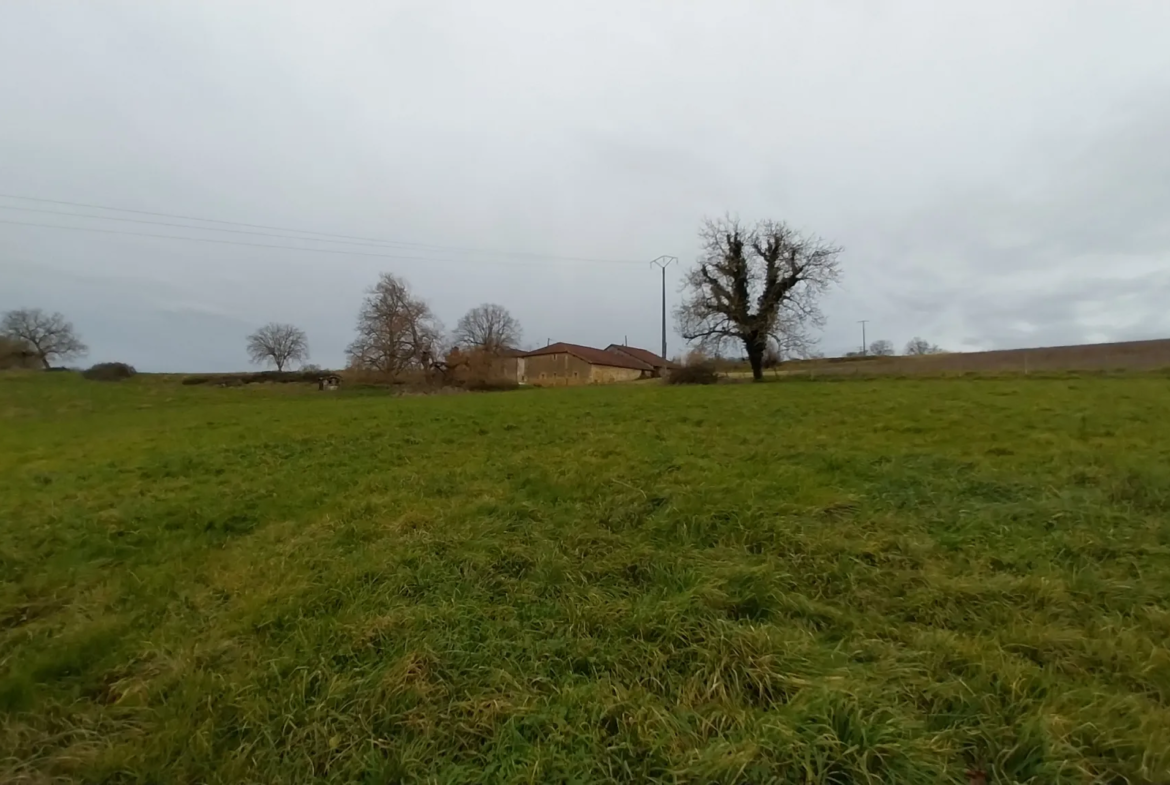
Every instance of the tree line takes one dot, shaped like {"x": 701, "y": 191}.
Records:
{"x": 396, "y": 332}
{"x": 914, "y": 347}
{"x": 756, "y": 287}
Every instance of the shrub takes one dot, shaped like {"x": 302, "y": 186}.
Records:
{"x": 17, "y": 354}
{"x": 701, "y": 372}
{"x": 491, "y": 385}
{"x": 109, "y": 372}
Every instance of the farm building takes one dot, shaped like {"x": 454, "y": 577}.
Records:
{"x": 479, "y": 365}
{"x": 660, "y": 364}
{"x": 569, "y": 363}
{"x": 507, "y": 364}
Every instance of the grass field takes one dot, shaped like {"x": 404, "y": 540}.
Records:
{"x": 907, "y": 581}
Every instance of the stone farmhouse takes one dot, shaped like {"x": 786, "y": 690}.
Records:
{"x": 569, "y": 363}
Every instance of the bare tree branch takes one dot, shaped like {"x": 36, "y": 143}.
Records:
{"x": 278, "y": 344}
{"x": 489, "y": 327}
{"x": 791, "y": 339}
{"x": 395, "y": 330}
{"x": 758, "y": 286}
{"x": 50, "y": 335}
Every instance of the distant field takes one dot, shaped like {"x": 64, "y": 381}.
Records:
{"x": 911, "y": 581}
{"x": 1120, "y": 356}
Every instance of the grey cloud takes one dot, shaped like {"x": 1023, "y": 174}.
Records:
{"x": 1072, "y": 248}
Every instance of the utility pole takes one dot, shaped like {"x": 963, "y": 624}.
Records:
{"x": 864, "y": 347}
{"x": 663, "y": 262}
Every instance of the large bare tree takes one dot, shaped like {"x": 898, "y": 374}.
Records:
{"x": 488, "y": 327}
{"x": 396, "y": 331}
{"x": 882, "y": 348}
{"x": 49, "y": 335}
{"x": 756, "y": 285}
{"x": 279, "y": 344}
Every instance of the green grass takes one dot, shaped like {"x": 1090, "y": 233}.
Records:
{"x": 830, "y": 582}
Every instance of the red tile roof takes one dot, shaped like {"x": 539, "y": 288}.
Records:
{"x": 645, "y": 355}
{"x": 592, "y": 356}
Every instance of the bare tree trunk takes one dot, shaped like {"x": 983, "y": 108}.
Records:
{"x": 45, "y": 362}
{"x": 755, "y": 354}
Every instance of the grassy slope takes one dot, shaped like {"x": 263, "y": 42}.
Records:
{"x": 822, "y": 582}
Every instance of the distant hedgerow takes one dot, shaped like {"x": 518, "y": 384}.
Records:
{"x": 237, "y": 379}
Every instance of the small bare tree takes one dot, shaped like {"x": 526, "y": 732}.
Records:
{"x": 49, "y": 335}
{"x": 396, "y": 331}
{"x": 882, "y": 348}
{"x": 489, "y": 327}
{"x": 279, "y": 344}
{"x": 918, "y": 346}
{"x": 756, "y": 285}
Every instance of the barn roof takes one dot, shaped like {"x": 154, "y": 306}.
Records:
{"x": 592, "y": 356}
{"x": 645, "y": 355}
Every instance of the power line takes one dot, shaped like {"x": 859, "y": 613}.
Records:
{"x": 375, "y": 240}
{"x": 485, "y": 262}
{"x": 188, "y": 226}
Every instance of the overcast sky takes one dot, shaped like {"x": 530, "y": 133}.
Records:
{"x": 997, "y": 172}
